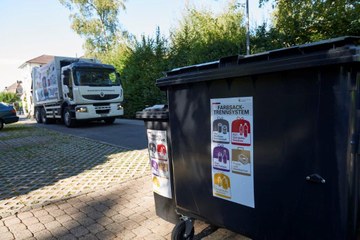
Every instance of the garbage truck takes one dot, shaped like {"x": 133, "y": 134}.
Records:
{"x": 75, "y": 90}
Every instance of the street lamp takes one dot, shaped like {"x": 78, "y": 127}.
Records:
{"x": 247, "y": 29}
{"x": 246, "y": 6}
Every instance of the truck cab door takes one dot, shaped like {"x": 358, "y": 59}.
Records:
{"x": 67, "y": 84}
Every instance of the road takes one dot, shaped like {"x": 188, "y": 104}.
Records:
{"x": 126, "y": 133}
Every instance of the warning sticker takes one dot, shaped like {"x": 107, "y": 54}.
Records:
{"x": 232, "y": 149}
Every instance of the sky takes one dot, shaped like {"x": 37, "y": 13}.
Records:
{"x": 30, "y": 28}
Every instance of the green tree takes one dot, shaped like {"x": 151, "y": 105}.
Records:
{"x": 145, "y": 63}
{"x": 97, "y": 21}
{"x": 204, "y": 36}
{"x": 8, "y": 97}
{"x": 304, "y": 21}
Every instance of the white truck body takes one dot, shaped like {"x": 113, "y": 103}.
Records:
{"x": 75, "y": 89}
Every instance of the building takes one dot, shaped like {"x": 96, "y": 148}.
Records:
{"x": 26, "y": 69}
{"x": 11, "y": 88}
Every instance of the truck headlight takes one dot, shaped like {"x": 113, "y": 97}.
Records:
{"x": 119, "y": 107}
{"x": 81, "y": 109}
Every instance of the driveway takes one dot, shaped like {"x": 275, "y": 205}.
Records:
{"x": 124, "y": 133}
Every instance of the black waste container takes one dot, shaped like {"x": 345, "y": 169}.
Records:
{"x": 266, "y": 145}
{"x": 156, "y": 121}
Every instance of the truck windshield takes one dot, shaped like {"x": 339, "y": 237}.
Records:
{"x": 96, "y": 77}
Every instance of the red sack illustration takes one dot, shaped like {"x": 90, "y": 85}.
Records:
{"x": 241, "y": 132}
{"x": 161, "y": 150}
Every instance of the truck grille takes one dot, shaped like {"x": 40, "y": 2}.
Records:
{"x": 102, "y": 109}
{"x": 98, "y": 97}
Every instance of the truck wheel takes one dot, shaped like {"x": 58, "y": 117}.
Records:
{"x": 68, "y": 121}
{"x": 179, "y": 231}
{"x": 43, "y": 116}
{"x": 1, "y": 124}
{"x": 109, "y": 120}
{"x": 38, "y": 115}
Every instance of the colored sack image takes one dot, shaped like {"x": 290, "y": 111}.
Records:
{"x": 161, "y": 151}
{"x": 221, "y": 158}
{"x": 241, "y": 162}
{"x": 221, "y": 131}
{"x": 222, "y": 185}
{"x": 241, "y": 132}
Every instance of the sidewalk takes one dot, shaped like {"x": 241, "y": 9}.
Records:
{"x": 54, "y": 189}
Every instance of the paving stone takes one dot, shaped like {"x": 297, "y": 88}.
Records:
{"x": 141, "y": 231}
{"x": 30, "y": 220}
{"x": 43, "y": 234}
{"x": 46, "y": 218}
{"x": 130, "y": 224}
{"x": 24, "y": 215}
{"x": 79, "y": 231}
{"x": 17, "y": 227}
{"x": 22, "y": 234}
{"x": 95, "y": 228}
{"x": 153, "y": 236}
{"x": 63, "y": 219}
{"x": 7, "y": 236}
{"x": 106, "y": 234}
{"x": 37, "y": 227}
{"x": 125, "y": 235}
{"x": 88, "y": 237}
{"x": 52, "y": 225}
{"x": 70, "y": 224}
{"x": 68, "y": 236}
{"x": 56, "y": 213}
{"x": 115, "y": 227}
{"x": 85, "y": 221}
{"x": 40, "y": 212}
{"x": 3, "y": 229}
{"x": 11, "y": 221}
{"x": 59, "y": 231}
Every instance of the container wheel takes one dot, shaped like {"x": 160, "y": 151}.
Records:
{"x": 38, "y": 117}
{"x": 1, "y": 124}
{"x": 69, "y": 122}
{"x": 178, "y": 233}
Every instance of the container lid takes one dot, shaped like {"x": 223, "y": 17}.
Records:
{"x": 154, "y": 112}
{"x": 328, "y": 52}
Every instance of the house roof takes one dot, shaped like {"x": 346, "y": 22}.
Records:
{"x": 43, "y": 59}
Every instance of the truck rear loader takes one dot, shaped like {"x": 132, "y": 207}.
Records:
{"x": 76, "y": 89}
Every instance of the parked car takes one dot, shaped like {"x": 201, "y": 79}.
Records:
{"x": 7, "y": 114}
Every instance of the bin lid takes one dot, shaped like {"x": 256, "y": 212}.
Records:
{"x": 334, "y": 51}
{"x": 154, "y": 112}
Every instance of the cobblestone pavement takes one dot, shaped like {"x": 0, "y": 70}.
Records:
{"x": 51, "y": 188}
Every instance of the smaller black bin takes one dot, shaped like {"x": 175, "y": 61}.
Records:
{"x": 156, "y": 120}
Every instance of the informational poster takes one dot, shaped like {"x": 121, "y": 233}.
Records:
{"x": 159, "y": 161}
{"x": 232, "y": 149}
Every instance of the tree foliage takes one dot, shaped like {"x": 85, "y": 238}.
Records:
{"x": 97, "y": 21}
{"x": 9, "y": 97}
{"x": 146, "y": 62}
{"x": 204, "y": 36}
{"x": 304, "y": 21}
